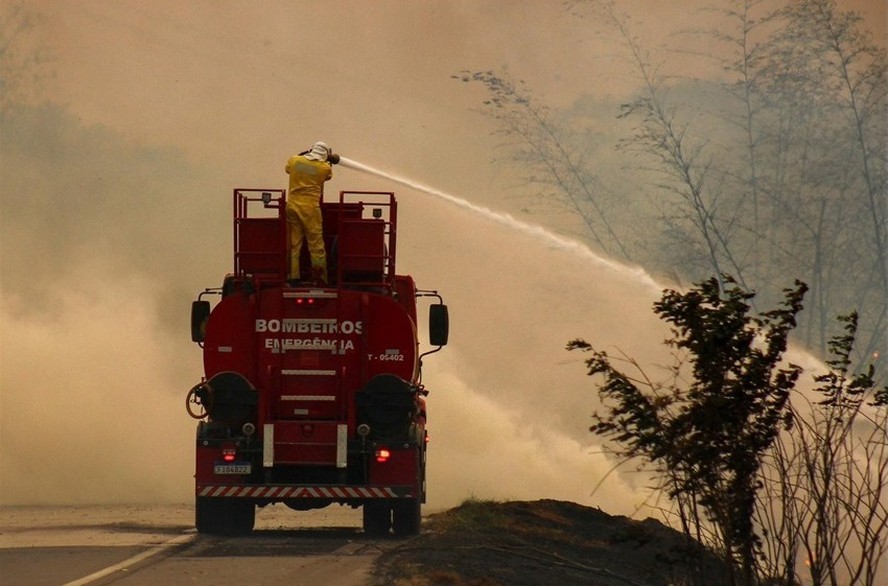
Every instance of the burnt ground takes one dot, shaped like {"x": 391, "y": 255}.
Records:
{"x": 546, "y": 542}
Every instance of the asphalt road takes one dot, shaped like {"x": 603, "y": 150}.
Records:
{"x": 150, "y": 545}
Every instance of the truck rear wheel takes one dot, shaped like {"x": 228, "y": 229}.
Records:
{"x": 377, "y": 518}
{"x": 406, "y": 517}
{"x": 218, "y": 516}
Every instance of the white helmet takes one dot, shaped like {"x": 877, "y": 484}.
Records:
{"x": 319, "y": 152}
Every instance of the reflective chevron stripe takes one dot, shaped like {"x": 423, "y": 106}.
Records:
{"x": 290, "y": 492}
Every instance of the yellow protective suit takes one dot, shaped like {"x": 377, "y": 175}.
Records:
{"x": 307, "y": 177}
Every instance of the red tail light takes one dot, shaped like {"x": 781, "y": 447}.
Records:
{"x": 229, "y": 454}
{"x": 383, "y": 455}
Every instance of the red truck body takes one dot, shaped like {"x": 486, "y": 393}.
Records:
{"x": 312, "y": 394}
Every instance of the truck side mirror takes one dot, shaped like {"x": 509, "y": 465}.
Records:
{"x": 439, "y": 324}
{"x": 200, "y": 314}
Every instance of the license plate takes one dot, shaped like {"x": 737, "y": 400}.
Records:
{"x": 233, "y": 468}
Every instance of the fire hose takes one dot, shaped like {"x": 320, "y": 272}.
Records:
{"x": 200, "y": 395}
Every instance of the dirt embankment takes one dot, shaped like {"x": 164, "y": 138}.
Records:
{"x": 484, "y": 543}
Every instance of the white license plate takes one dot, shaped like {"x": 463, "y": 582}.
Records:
{"x": 235, "y": 468}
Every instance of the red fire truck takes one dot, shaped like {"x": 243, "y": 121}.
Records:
{"x": 312, "y": 395}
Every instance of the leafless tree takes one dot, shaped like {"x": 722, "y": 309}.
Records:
{"x": 837, "y": 63}
{"x": 803, "y": 103}
{"x": 775, "y": 168}
{"x": 548, "y": 155}
{"x": 683, "y": 161}
{"x": 826, "y": 496}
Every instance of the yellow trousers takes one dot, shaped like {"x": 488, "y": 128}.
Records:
{"x": 305, "y": 223}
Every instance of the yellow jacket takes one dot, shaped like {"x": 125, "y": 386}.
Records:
{"x": 307, "y": 177}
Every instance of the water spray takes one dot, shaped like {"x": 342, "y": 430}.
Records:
{"x": 505, "y": 219}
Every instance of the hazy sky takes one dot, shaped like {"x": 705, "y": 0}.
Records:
{"x": 116, "y": 212}
{"x": 238, "y": 85}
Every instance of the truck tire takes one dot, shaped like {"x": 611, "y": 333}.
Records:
{"x": 377, "y": 518}
{"x": 216, "y": 516}
{"x": 406, "y": 517}
{"x": 208, "y": 516}
{"x": 241, "y": 517}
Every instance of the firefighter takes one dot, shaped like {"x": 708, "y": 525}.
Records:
{"x": 308, "y": 172}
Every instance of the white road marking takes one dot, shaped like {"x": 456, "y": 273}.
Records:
{"x": 169, "y": 543}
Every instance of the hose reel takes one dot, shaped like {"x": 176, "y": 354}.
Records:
{"x": 227, "y": 398}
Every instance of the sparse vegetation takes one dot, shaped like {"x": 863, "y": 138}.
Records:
{"x": 707, "y": 439}
{"x": 758, "y": 471}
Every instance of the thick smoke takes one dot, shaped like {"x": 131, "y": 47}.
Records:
{"x": 103, "y": 243}
{"x": 96, "y": 357}
{"x": 91, "y": 406}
